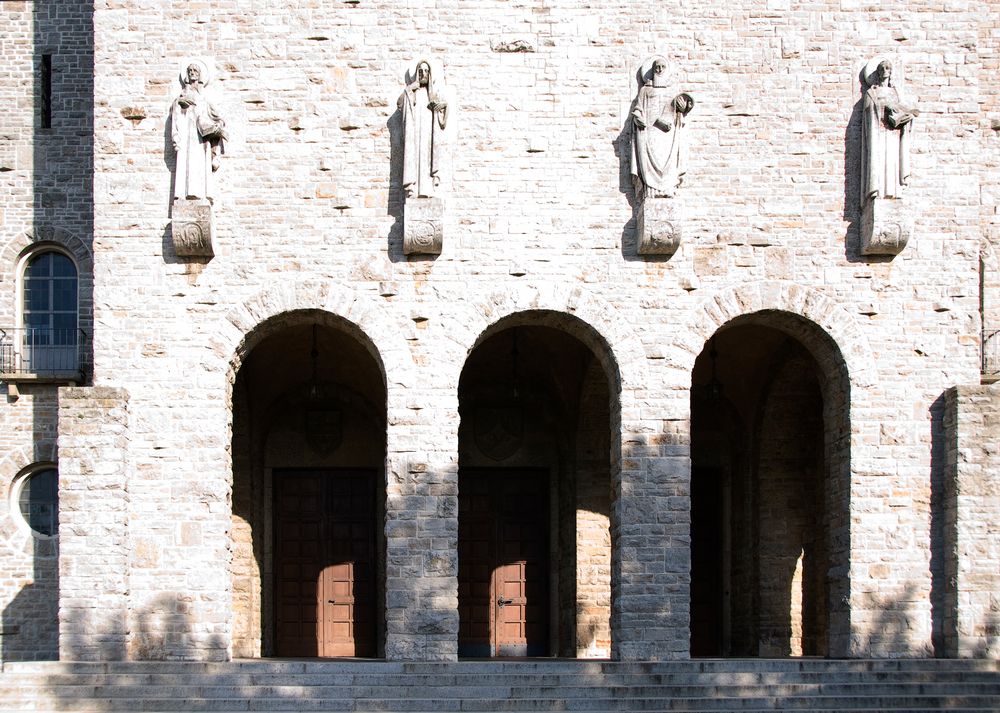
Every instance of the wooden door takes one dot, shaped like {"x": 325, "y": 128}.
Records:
{"x": 503, "y": 563}
{"x": 324, "y": 563}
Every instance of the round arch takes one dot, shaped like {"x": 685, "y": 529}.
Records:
{"x": 823, "y": 321}
{"x": 825, "y": 334}
{"x": 575, "y": 310}
{"x": 571, "y": 450}
{"x": 291, "y": 447}
{"x": 382, "y": 331}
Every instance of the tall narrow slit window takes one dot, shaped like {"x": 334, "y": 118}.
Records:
{"x": 50, "y": 329}
{"x": 45, "y": 92}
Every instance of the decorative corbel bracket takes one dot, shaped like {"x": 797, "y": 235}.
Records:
{"x": 191, "y": 228}
{"x": 886, "y": 226}
{"x": 423, "y": 226}
{"x": 658, "y": 226}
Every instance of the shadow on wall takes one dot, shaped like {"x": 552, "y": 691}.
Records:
{"x": 63, "y": 127}
{"x": 30, "y": 629}
{"x": 164, "y": 630}
{"x": 939, "y": 552}
{"x": 890, "y": 634}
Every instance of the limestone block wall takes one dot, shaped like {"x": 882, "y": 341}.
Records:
{"x": 45, "y": 200}
{"x": 96, "y": 554}
{"x": 971, "y": 506}
{"x": 540, "y": 204}
{"x": 540, "y": 216}
{"x": 29, "y": 578}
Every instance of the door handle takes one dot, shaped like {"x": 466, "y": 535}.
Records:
{"x": 331, "y": 601}
{"x": 503, "y": 602}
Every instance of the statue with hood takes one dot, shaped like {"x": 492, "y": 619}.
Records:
{"x": 426, "y": 109}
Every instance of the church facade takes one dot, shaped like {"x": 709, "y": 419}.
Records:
{"x": 492, "y": 329}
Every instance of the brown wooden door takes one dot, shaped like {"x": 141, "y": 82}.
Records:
{"x": 503, "y": 563}
{"x": 324, "y": 563}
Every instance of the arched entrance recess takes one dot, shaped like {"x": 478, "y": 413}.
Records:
{"x": 309, "y": 453}
{"x": 538, "y": 410}
{"x": 770, "y": 464}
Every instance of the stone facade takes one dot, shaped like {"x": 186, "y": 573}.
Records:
{"x": 840, "y": 369}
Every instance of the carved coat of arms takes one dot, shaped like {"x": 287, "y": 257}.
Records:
{"x": 323, "y": 429}
{"x": 499, "y": 430}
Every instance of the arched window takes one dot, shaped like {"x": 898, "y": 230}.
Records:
{"x": 37, "y": 496}
{"x": 49, "y": 314}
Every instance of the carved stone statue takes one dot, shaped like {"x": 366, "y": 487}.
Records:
{"x": 885, "y": 135}
{"x": 658, "y": 160}
{"x": 198, "y": 134}
{"x": 886, "y": 222}
{"x": 426, "y": 107}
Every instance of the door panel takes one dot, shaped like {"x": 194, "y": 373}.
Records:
{"x": 324, "y": 554}
{"x": 503, "y": 563}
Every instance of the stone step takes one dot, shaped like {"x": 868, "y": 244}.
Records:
{"x": 551, "y": 666}
{"x": 476, "y": 705}
{"x": 739, "y": 685}
{"x": 671, "y": 709}
{"x": 416, "y": 680}
{"x": 82, "y": 689}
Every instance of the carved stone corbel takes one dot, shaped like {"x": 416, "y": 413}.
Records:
{"x": 886, "y": 226}
{"x": 659, "y": 227}
{"x": 191, "y": 228}
{"x": 423, "y": 226}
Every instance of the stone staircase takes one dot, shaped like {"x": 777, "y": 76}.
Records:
{"x": 526, "y": 685}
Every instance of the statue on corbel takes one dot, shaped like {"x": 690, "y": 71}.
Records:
{"x": 886, "y": 126}
{"x": 658, "y": 157}
{"x": 427, "y": 107}
{"x": 198, "y": 135}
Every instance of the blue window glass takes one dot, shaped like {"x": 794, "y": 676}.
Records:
{"x": 50, "y": 299}
{"x": 39, "y": 501}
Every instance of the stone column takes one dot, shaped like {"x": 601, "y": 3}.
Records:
{"x": 650, "y": 540}
{"x": 421, "y": 529}
{"x": 93, "y": 523}
{"x": 971, "y": 513}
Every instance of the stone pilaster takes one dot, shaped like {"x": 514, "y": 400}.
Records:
{"x": 971, "y": 512}
{"x": 421, "y": 529}
{"x": 93, "y": 527}
{"x": 650, "y": 535}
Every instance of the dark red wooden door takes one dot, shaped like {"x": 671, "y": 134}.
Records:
{"x": 324, "y": 563}
{"x": 503, "y": 563}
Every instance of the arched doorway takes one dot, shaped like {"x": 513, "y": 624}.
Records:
{"x": 308, "y": 491}
{"x": 769, "y": 463}
{"x": 535, "y": 492}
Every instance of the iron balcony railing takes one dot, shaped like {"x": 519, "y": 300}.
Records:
{"x": 991, "y": 354}
{"x": 40, "y": 352}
